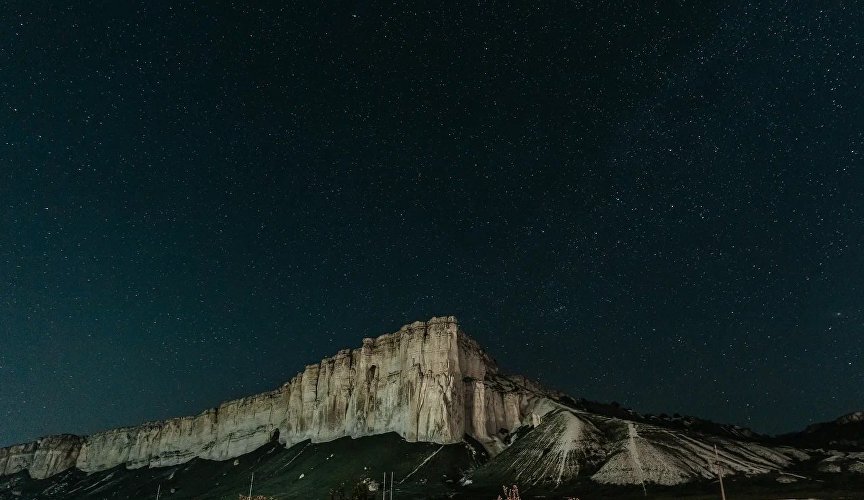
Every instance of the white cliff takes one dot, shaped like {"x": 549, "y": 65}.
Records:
{"x": 42, "y": 458}
{"x": 427, "y": 382}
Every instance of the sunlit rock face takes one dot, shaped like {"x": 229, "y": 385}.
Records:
{"x": 428, "y": 382}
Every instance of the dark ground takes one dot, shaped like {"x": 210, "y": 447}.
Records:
{"x": 341, "y": 464}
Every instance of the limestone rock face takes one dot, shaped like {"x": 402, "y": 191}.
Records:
{"x": 428, "y": 382}
{"x": 17, "y": 458}
{"x": 43, "y": 458}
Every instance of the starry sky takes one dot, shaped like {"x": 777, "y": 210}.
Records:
{"x": 654, "y": 203}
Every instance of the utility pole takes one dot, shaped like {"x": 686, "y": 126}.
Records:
{"x": 250, "y": 485}
{"x": 158, "y": 491}
{"x": 391, "y": 486}
{"x": 384, "y": 488}
{"x": 719, "y": 473}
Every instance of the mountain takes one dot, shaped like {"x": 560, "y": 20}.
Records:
{"x": 844, "y": 433}
{"x": 424, "y": 382}
{"x": 427, "y": 403}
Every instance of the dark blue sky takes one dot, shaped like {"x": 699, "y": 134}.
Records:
{"x": 658, "y": 204}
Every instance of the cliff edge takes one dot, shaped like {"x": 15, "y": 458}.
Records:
{"x": 427, "y": 382}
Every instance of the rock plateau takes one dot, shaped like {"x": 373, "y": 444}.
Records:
{"x": 429, "y": 382}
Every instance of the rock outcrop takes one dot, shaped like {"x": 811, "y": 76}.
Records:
{"x": 567, "y": 444}
{"x": 42, "y": 458}
{"x": 427, "y": 382}
{"x": 851, "y": 418}
{"x": 430, "y": 382}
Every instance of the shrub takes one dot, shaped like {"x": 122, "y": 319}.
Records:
{"x": 510, "y": 493}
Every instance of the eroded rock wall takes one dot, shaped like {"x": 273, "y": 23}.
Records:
{"x": 428, "y": 382}
{"x": 42, "y": 458}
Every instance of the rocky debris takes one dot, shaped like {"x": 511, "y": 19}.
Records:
{"x": 556, "y": 450}
{"x": 568, "y": 444}
{"x": 839, "y": 462}
{"x": 851, "y": 418}
{"x": 648, "y": 454}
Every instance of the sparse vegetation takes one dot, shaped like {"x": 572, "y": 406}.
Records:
{"x": 511, "y": 493}
{"x": 359, "y": 492}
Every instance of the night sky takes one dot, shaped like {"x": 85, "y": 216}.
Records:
{"x": 655, "y": 203}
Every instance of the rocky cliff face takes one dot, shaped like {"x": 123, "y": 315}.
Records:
{"x": 428, "y": 382}
{"x": 45, "y": 457}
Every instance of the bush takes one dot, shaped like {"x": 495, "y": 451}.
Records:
{"x": 359, "y": 492}
{"x": 510, "y": 493}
